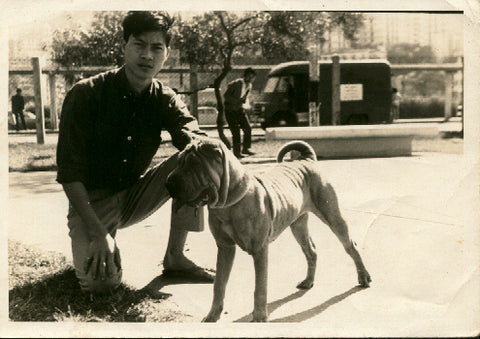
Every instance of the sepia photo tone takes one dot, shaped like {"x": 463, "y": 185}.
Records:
{"x": 110, "y": 112}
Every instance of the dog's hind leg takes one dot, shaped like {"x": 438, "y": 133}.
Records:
{"x": 328, "y": 210}
{"x": 300, "y": 231}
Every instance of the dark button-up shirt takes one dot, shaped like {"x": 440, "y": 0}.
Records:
{"x": 109, "y": 134}
{"x": 17, "y": 103}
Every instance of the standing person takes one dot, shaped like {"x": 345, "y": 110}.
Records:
{"x": 109, "y": 132}
{"x": 18, "y": 104}
{"x": 395, "y": 111}
{"x": 236, "y": 101}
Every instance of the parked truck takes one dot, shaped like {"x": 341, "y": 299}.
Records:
{"x": 365, "y": 94}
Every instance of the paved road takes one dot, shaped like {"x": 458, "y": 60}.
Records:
{"x": 415, "y": 220}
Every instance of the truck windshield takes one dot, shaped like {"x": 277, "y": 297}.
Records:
{"x": 270, "y": 85}
{"x": 278, "y": 84}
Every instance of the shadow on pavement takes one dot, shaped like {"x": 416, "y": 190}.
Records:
{"x": 304, "y": 315}
{"x": 274, "y": 305}
{"x": 310, "y": 313}
{"x": 154, "y": 287}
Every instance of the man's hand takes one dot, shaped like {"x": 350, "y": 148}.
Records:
{"x": 103, "y": 259}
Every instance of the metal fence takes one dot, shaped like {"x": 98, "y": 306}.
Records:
{"x": 195, "y": 88}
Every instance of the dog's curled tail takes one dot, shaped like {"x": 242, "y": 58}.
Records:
{"x": 306, "y": 151}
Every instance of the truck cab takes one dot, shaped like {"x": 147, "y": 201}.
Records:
{"x": 365, "y": 93}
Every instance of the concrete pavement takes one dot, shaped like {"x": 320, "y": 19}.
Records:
{"x": 415, "y": 220}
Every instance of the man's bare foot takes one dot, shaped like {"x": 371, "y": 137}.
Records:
{"x": 180, "y": 266}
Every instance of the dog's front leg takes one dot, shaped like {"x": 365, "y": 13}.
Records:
{"x": 260, "y": 260}
{"x": 225, "y": 256}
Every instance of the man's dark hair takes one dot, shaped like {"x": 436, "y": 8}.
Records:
{"x": 249, "y": 70}
{"x": 139, "y": 22}
{"x": 19, "y": 90}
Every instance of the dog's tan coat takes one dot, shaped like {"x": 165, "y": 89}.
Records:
{"x": 252, "y": 210}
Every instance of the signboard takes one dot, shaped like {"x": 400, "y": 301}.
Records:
{"x": 351, "y": 92}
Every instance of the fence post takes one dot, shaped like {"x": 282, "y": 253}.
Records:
{"x": 39, "y": 113}
{"x": 336, "y": 90}
{"x": 193, "y": 89}
{"x": 448, "y": 95}
{"x": 53, "y": 100}
{"x": 314, "y": 88}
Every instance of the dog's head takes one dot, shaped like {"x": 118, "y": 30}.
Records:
{"x": 206, "y": 173}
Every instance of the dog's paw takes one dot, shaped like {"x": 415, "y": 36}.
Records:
{"x": 364, "y": 279}
{"x": 213, "y": 315}
{"x": 306, "y": 284}
{"x": 259, "y": 317}
{"x": 209, "y": 319}
{"x": 259, "y": 320}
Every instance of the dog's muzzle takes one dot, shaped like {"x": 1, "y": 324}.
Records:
{"x": 177, "y": 190}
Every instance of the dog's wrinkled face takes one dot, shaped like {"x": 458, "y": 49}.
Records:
{"x": 197, "y": 177}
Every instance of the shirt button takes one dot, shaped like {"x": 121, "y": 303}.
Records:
{"x": 129, "y": 138}
{"x": 124, "y": 160}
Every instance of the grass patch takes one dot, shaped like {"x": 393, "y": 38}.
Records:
{"x": 43, "y": 287}
{"x": 423, "y": 108}
{"x": 28, "y": 156}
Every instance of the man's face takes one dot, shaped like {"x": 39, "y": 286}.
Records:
{"x": 249, "y": 78}
{"x": 145, "y": 54}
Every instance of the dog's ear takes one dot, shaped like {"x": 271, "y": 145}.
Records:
{"x": 210, "y": 148}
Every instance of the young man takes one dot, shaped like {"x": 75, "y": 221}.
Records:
{"x": 109, "y": 132}
{"x": 18, "y": 104}
{"x": 236, "y": 101}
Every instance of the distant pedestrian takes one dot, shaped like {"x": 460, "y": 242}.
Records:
{"x": 18, "y": 104}
{"x": 395, "y": 110}
{"x": 236, "y": 104}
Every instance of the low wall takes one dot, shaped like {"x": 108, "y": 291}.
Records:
{"x": 356, "y": 141}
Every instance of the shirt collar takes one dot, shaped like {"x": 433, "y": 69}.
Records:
{"x": 126, "y": 90}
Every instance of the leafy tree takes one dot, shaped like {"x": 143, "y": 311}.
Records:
{"x": 349, "y": 22}
{"x": 406, "y": 53}
{"x": 424, "y": 83}
{"x": 212, "y": 39}
{"x": 98, "y": 46}
{"x": 284, "y": 37}
{"x": 289, "y": 35}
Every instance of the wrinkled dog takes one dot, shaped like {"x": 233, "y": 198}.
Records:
{"x": 251, "y": 210}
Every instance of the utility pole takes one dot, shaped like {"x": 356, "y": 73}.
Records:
{"x": 336, "y": 90}
{"x": 314, "y": 88}
{"x": 52, "y": 84}
{"x": 193, "y": 87}
{"x": 39, "y": 113}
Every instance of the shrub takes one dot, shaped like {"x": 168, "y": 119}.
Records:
{"x": 30, "y": 107}
{"x": 413, "y": 108}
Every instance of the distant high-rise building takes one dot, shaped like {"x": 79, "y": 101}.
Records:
{"x": 443, "y": 32}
